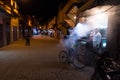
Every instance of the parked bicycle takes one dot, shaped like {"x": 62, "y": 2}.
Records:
{"x": 75, "y": 54}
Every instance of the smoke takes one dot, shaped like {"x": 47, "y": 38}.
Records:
{"x": 81, "y": 30}
{"x": 96, "y": 18}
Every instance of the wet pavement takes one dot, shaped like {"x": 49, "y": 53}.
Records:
{"x": 39, "y": 61}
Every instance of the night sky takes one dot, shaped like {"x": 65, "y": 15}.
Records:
{"x": 42, "y": 9}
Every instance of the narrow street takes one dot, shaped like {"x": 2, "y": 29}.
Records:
{"x": 39, "y": 61}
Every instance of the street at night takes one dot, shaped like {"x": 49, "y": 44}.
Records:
{"x": 39, "y": 61}
{"x": 59, "y": 40}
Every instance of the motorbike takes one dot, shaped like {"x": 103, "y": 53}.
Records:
{"x": 106, "y": 68}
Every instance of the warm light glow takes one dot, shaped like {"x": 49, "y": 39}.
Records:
{"x": 1, "y": 2}
{"x": 99, "y": 16}
{"x": 29, "y": 23}
{"x": 99, "y": 21}
{"x": 70, "y": 22}
{"x": 8, "y": 9}
{"x": 14, "y": 21}
{"x": 74, "y": 17}
{"x": 12, "y": 2}
{"x": 16, "y": 11}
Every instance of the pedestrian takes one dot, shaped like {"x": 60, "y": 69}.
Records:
{"x": 97, "y": 39}
{"x": 27, "y": 39}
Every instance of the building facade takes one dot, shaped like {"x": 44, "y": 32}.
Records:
{"x": 68, "y": 15}
{"x": 9, "y": 22}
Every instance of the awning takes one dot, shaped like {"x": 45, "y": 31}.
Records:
{"x": 85, "y": 6}
{"x": 70, "y": 22}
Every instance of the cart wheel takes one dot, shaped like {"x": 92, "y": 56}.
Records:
{"x": 79, "y": 59}
{"x": 63, "y": 56}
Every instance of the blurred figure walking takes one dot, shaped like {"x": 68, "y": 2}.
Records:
{"x": 27, "y": 39}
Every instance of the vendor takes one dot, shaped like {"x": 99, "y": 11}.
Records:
{"x": 97, "y": 39}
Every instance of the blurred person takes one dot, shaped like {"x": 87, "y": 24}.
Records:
{"x": 27, "y": 39}
{"x": 97, "y": 39}
{"x": 91, "y": 35}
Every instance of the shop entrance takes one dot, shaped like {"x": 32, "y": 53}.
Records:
{"x": 14, "y": 33}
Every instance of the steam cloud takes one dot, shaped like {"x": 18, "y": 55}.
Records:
{"x": 98, "y": 18}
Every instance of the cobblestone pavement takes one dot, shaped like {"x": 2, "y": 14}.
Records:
{"x": 39, "y": 61}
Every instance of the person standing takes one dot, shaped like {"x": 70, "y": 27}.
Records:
{"x": 97, "y": 39}
{"x": 27, "y": 38}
